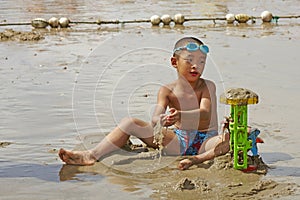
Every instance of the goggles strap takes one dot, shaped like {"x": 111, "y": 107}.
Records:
{"x": 193, "y": 47}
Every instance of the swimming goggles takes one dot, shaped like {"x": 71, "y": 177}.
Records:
{"x": 193, "y": 47}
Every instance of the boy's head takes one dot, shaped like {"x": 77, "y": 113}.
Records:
{"x": 189, "y": 57}
{"x": 191, "y": 44}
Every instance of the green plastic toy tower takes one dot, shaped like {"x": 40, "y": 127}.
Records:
{"x": 238, "y": 99}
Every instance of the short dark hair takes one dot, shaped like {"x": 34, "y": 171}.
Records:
{"x": 183, "y": 41}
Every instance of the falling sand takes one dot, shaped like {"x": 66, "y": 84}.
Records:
{"x": 158, "y": 137}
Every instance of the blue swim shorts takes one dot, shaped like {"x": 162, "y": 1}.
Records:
{"x": 191, "y": 140}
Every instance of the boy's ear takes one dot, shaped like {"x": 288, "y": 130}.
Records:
{"x": 174, "y": 61}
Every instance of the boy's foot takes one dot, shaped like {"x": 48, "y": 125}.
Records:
{"x": 77, "y": 157}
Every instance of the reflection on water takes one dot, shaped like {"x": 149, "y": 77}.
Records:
{"x": 71, "y": 172}
{"x": 43, "y": 172}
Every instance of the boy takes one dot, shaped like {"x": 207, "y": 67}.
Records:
{"x": 192, "y": 103}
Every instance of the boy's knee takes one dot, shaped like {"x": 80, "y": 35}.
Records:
{"x": 130, "y": 124}
{"x": 130, "y": 121}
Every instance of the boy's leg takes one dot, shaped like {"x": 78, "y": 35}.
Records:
{"x": 120, "y": 135}
{"x": 115, "y": 140}
{"x": 217, "y": 145}
{"x": 212, "y": 147}
{"x": 171, "y": 143}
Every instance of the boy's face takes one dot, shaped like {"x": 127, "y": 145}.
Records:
{"x": 189, "y": 64}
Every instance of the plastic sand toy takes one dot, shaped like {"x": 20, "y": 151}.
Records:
{"x": 240, "y": 142}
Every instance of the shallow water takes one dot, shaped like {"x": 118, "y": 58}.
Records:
{"x": 83, "y": 80}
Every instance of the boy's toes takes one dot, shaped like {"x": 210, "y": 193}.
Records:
{"x": 61, "y": 153}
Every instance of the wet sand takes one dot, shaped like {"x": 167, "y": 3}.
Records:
{"x": 215, "y": 179}
{"x": 71, "y": 87}
{"x": 155, "y": 182}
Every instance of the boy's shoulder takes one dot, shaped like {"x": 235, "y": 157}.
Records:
{"x": 207, "y": 83}
{"x": 167, "y": 88}
{"x": 170, "y": 86}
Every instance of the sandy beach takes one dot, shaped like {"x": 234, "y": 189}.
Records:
{"x": 68, "y": 88}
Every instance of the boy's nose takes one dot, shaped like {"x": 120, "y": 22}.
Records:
{"x": 195, "y": 66}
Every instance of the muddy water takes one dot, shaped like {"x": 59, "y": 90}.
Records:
{"x": 81, "y": 81}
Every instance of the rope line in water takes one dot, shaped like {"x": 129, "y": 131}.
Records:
{"x": 16, "y": 24}
{"x": 99, "y": 22}
{"x": 155, "y": 20}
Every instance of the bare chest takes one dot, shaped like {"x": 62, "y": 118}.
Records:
{"x": 185, "y": 100}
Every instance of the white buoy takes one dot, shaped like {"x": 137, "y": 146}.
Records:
{"x": 53, "y": 22}
{"x": 39, "y": 23}
{"x": 64, "y": 22}
{"x": 266, "y": 16}
{"x": 230, "y": 18}
{"x": 155, "y": 20}
{"x": 166, "y": 19}
{"x": 179, "y": 18}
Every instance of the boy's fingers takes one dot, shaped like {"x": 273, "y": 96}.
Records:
{"x": 162, "y": 115}
{"x": 172, "y": 110}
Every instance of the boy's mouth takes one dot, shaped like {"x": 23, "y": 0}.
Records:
{"x": 194, "y": 73}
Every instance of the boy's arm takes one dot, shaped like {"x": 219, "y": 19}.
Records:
{"x": 161, "y": 105}
{"x": 207, "y": 101}
{"x": 202, "y": 113}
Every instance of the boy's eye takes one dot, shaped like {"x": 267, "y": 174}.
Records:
{"x": 189, "y": 60}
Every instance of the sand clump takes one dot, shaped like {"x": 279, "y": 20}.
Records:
{"x": 240, "y": 93}
{"x": 11, "y": 35}
{"x": 239, "y": 96}
{"x": 261, "y": 166}
{"x": 4, "y": 144}
{"x": 226, "y": 162}
{"x": 222, "y": 162}
{"x": 187, "y": 184}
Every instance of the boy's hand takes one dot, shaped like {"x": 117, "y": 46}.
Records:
{"x": 185, "y": 164}
{"x": 172, "y": 118}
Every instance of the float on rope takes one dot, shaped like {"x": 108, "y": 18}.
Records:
{"x": 240, "y": 141}
{"x": 155, "y": 20}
